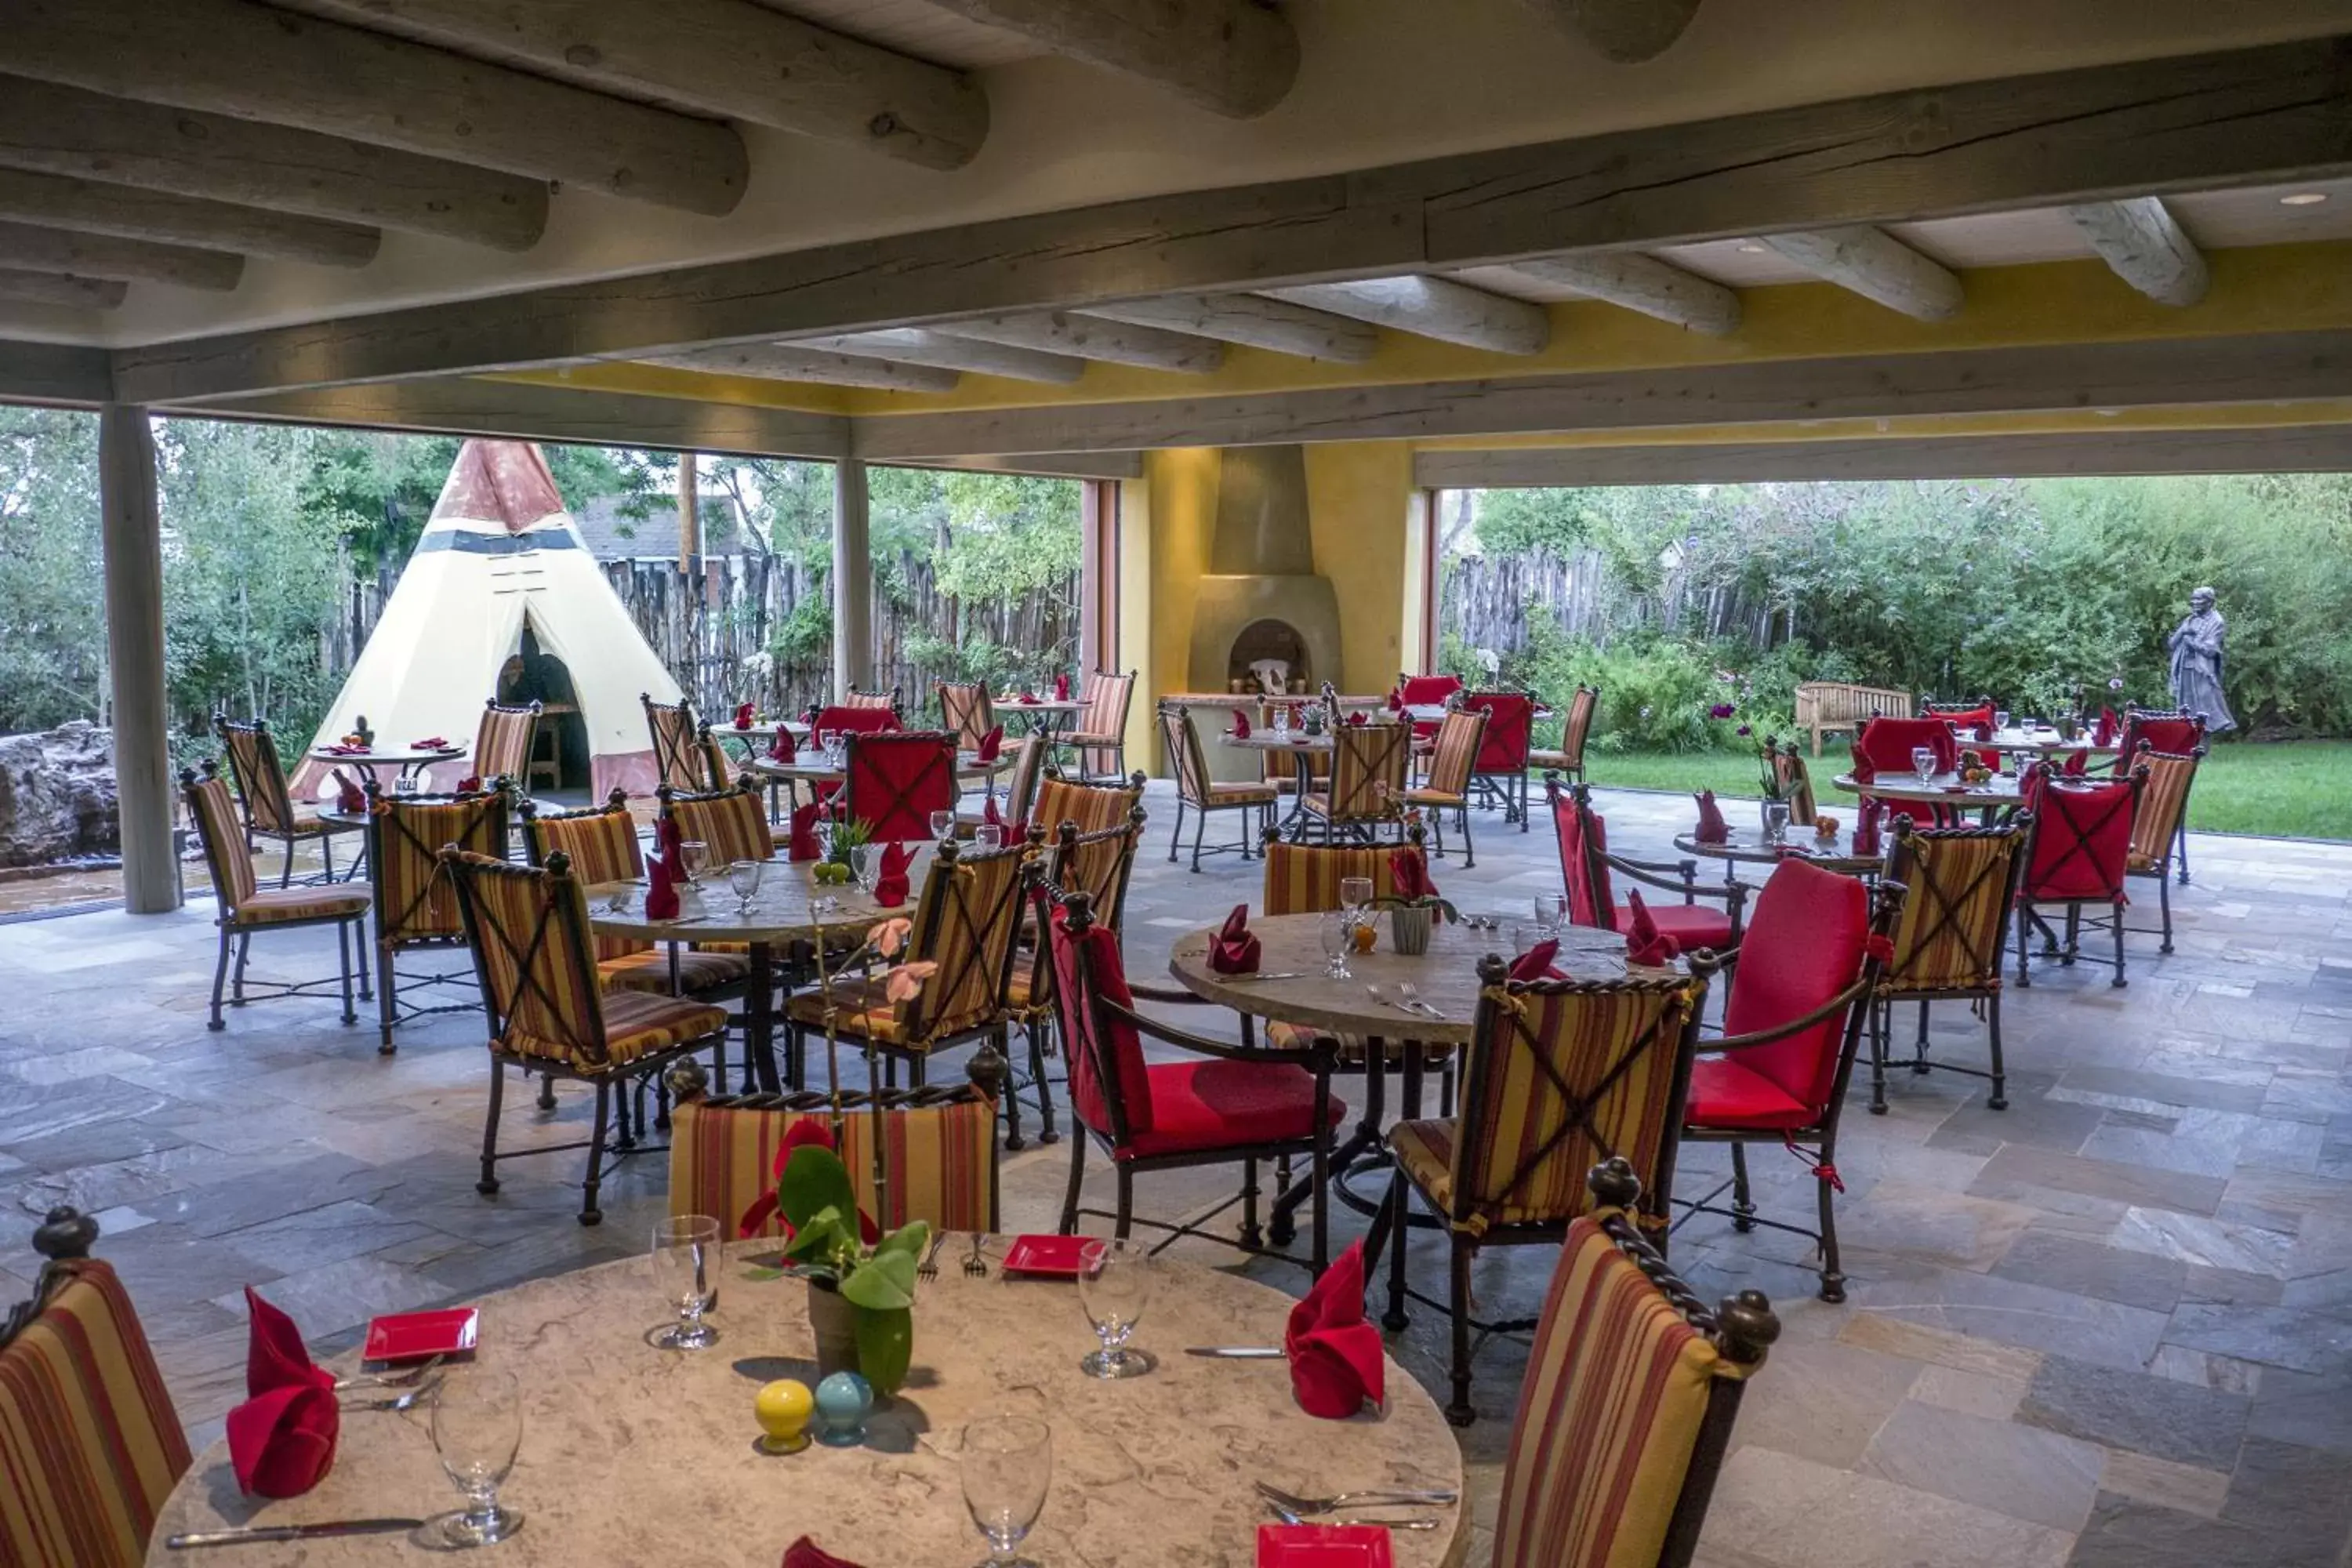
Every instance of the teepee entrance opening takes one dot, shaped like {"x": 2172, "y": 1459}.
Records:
{"x": 560, "y": 754}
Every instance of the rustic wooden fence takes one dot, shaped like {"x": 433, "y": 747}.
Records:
{"x": 1488, "y": 602}
{"x": 715, "y": 624}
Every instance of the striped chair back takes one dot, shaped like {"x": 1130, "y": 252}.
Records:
{"x": 1106, "y": 696}
{"x": 502, "y": 741}
{"x": 1560, "y": 1076}
{"x": 260, "y": 776}
{"x": 601, "y": 843}
{"x": 414, "y": 900}
{"x": 719, "y": 770}
{"x": 2163, "y": 802}
{"x": 1962, "y": 881}
{"x": 966, "y": 711}
{"x": 939, "y": 1144}
{"x": 969, "y": 912}
{"x": 1021, "y": 783}
{"x": 1577, "y": 727}
{"x": 1092, "y": 806}
{"x": 1180, "y": 738}
{"x": 730, "y": 824}
{"x": 1304, "y": 879}
{"x": 1460, "y": 738}
{"x": 1796, "y": 783}
{"x": 529, "y": 930}
{"x": 1098, "y": 864}
{"x": 90, "y": 1445}
{"x": 852, "y": 698}
{"x": 1368, "y": 764}
{"x": 228, "y": 852}
{"x": 672, "y": 727}
{"x": 1632, "y": 1389}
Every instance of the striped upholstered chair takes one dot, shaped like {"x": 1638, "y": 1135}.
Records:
{"x": 1098, "y": 737}
{"x": 730, "y": 824}
{"x": 677, "y": 759}
{"x": 415, "y": 908}
{"x": 601, "y": 841}
{"x": 1204, "y": 796}
{"x": 940, "y": 1142}
{"x": 1949, "y": 939}
{"x": 269, "y": 809}
{"x": 1575, "y": 728}
{"x": 1446, "y": 786}
{"x": 548, "y": 1012}
{"x": 1366, "y": 793}
{"x": 502, "y": 741}
{"x": 1631, "y": 1390}
{"x": 1560, "y": 1075}
{"x": 245, "y": 908}
{"x": 90, "y": 1445}
{"x": 2159, "y": 834}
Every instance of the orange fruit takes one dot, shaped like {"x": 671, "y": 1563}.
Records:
{"x": 1366, "y": 935}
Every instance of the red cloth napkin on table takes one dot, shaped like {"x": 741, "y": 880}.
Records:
{"x": 1357, "y": 717}
{"x": 1712, "y": 828}
{"x": 1028, "y": 695}
{"x": 1536, "y": 963}
{"x": 988, "y": 813}
{"x": 470, "y": 785}
{"x": 430, "y": 743}
{"x": 1863, "y": 770}
{"x": 890, "y": 887}
{"x": 1645, "y": 945}
{"x": 783, "y": 748}
{"x": 2103, "y": 732}
{"x": 1234, "y": 948}
{"x": 803, "y": 838}
{"x": 281, "y": 1440}
{"x": 1298, "y": 715}
{"x": 1864, "y": 842}
{"x": 2075, "y": 763}
{"x": 661, "y": 888}
{"x": 744, "y": 711}
{"x": 1396, "y": 700}
{"x": 1240, "y": 725}
{"x": 807, "y": 1553}
{"x": 989, "y": 744}
{"x": 348, "y": 796}
{"x": 1409, "y": 871}
{"x": 1062, "y": 688}
{"x": 1337, "y": 1367}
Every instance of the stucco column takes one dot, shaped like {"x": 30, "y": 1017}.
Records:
{"x": 134, "y": 648}
{"x": 853, "y": 581}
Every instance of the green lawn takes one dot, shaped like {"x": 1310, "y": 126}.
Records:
{"x": 2299, "y": 789}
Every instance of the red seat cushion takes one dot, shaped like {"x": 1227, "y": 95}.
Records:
{"x": 1202, "y": 1105}
{"x": 1113, "y": 1067}
{"x": 1803, "y": 946}
{"x": 1691, "y": 925}
{"x": 1725, "y": 1094}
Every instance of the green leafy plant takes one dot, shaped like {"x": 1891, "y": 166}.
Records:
{"x": 819, "y": 1201}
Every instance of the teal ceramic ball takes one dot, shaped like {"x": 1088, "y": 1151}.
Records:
{"x": 842, "y": 1402}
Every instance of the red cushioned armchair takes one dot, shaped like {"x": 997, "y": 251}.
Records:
{"x": 2079, "y": 855}
{"x": 1426, "y": 690}
{"x": 894, "y": 781}
{"x": 2175, "y": 732}
{"x": 1499, "y": 775}
{"x": 1801, "y": 987}
{"x": 1585, "y": 864}
{"x": 1229, "y": 1103}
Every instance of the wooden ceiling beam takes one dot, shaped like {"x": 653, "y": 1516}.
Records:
{"x": 921, "y": 346}
{"x": 787, "y": 361}
{"x": 42, "y": 249}
{"x": 251, "y": 62}
{"x": 1626, "y": 31}
{"x": 2139, "y": 239}
{"x": 1253, "y": 320}
{"x": 719, "y": 57}
{"x": 129, "y": 213}
{"x": 1431, "y": 308}
{"x": 1094, "y": 337}
{"x": 1876, "y": 265}
{"x": 1645, "y": 284}
{"x": 1234, "y": 57}
{"x": 61, "y": 288}
{"x": 53, "y": 130}
{"x": 54, "y": 373}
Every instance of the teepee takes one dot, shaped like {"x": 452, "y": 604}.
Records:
{"x": 501, "y": 557}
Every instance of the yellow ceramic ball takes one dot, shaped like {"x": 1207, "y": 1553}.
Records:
{"x": 783, "y": 1408}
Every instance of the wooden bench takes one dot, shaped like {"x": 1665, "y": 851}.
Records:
{"x": 1823, "y": 706}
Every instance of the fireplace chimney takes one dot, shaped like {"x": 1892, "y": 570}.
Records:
{"x": 1262, "y": 597}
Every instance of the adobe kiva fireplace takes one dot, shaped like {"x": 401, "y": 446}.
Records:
{"x": 1261, "y": 607}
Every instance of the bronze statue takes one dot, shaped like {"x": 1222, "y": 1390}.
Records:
{"x": 2196, "y": 647}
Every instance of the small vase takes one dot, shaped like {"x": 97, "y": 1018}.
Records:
{"x": 834, "y": 1322}
{"x": 1776, "y": 820}
{"x": 1409, "y": 930}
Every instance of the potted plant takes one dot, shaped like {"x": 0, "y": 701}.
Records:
{"x": 1414, "y": 908}
{"x": 1769, "y": 782}
{"x": 845, "y": 848}
{"x": 861, "y": 1284}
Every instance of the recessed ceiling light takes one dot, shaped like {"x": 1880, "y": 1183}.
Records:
{"x": 1749, "y": 247}
{"x": 2303, "y": 199}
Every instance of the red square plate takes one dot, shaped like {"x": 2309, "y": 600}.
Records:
{"x": 1323, "y": 1546}
{"x": 1059, "y": 1256}
{"x": 413, "y": 1336}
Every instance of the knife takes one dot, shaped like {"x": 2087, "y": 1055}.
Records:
{"x": 290, "y": 1533}
{"x": 1237, "y": 1353}
{"x": 1287, "y": 975}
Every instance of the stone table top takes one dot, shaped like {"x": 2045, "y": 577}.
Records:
{"x": 387, "y": 756}
{"x": 784, "y": 909}
{"x": 633, "y": 1455}
{"x": 1446, "y": 976}
{"x": 1832, "y": 852}
{"x": 1941, "y": 789}
{"x": 2041, "y": 739}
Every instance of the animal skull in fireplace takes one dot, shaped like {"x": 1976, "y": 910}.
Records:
{"x": 1273, "y": 675}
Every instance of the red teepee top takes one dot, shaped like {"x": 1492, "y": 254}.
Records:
{"x": 504, "y": 482}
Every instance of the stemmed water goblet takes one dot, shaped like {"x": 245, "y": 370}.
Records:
{"x": 686, "y": 1263}
{"x": 477, "y": 1429}
{"x": 1923, "y": 762}
{"x": 1115, "y": 1280}
{"x": 987, "y": 837}
{"x": 1355, "y": 894}
{"x": 942, "y": 824}
{"x": 1006, "y": 1465}
{"x": 1338, "y": 939}
{"x": 743, "y": 876}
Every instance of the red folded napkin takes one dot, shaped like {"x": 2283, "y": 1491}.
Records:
{"x": 1337, "y": 1367}
{"x": 1863, "y": 770}
{"x": 1240, "y": 725}
{"x": 1409, "y": 874}
{"x": 1234, "y": 948}
{"x": 1357, "y": 717}
{"x": 1396, "y": 700}
{"x": 803, "y": 839}
{"x": 1028, "y": 695}
{"x": 430, "y": 743}
{"x": 1645, "y": 945}
{"x": 989, "y": 744}
{"x": 661, "y": 888}
{"x": 744, "y": 711}
{"x": 341, "y": 750}
{"x": 348, "y": 796}
{"x": 470, "y": 785}
{"x": 1866, "y": 843}
{"x": 1536, "y": 963}
{"x": 2103, "y": 733}
{"x": 988, "y": 813}
{"x": 806, "y": 1553}
{"x": 783, "y": 748}
{"x": 1298, "y": 715}
{"x": 281, "y": 1440}
{"x": 1062, "y": 688}
{"x": 890, "y": 887}
{"x": 2076, "y": 761}
{"x": 1712, "y": 828}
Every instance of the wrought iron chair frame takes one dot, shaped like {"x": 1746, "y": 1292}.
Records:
{"x": 273, "y": 792}
{"x": 1460, "y": 804}
{"x": 1905, "y": 866}
{"x": 383, "y": 809}
{"x": 2132, "y": 715}
{"x": 1649, "y": 873}
{"x": 1575, "y": 730}
{"x": 1508, "y": 788}
{"x": 675, "y": 740}
{"x": 1383, "y": 777}
{"x": 1181, "y": 738}
{"x": 2028, "y": 906}
{"x": 1037, "y": 1019}
{"x": 2176, "y": 842}
{"x": 494, "y": 715}
{"x": 1082, "y": 744}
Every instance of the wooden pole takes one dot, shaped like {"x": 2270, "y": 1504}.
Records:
{"x": 853, "y": 581}
{"x": 690, "y": 514}
{"x": 133, "y": 546}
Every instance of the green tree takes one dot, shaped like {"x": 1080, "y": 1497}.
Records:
{"x": 52, "y": 600}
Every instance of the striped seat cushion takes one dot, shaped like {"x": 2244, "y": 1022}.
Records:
{"x": 271, "y": 906}
{"x": 649, "y": 971}
{"x": 90, "y": 1445}
{"x": 860, "y": 1008}
{"x": 636, "y": 1024}
{"x": 1617, "y": 1388}
{"x": 1424, "y": 1153}
{"x": 941, "y": 1161}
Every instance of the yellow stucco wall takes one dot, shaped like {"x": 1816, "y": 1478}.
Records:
{"x": 1359, "y": 499}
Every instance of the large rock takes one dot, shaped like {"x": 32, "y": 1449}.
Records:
{"x": 57, "y": 795}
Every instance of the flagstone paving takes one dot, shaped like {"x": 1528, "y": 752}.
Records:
{"x": 2111, "y": 1324}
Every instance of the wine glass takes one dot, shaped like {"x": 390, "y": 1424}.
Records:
{"x": 685, "y": 1257}
{"x": 1923, "y": 762}
{"x": 1338, "y": 938}
{"x": 743, "y": 876}
{"x": 1281, "y": 719}
{"x": 1551, "y": 912}
{"x": 1115, "y": 1282}
{"x": 942, "y": 824}
{"x": 863, "y": 866}
{"x": 1355, "y": 892}
{"x": 477, "y": 1428}
{"x": 2000, "y": 717}
{"x": 693, "y": 858}
{"x": 1008, "y": 1461}
{"x": 404, "y": 784}
{"x": 988, "y": 835}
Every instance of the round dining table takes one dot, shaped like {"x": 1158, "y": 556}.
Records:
{"x": 2038, "y": 741}
{"x": 636, "y": 1455}
{"x": 1830, "y": 851}
{"x": 2000, "y": 793}
{"x": 403, "y": 759}
{"x": 790, "y": 910}
{"x": 1042, "y": 715}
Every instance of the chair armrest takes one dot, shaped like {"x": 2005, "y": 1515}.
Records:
{"x": 1171, "y": 994}
{"x": 1316, "y": 1056}
{"x": 1733, "y": 893}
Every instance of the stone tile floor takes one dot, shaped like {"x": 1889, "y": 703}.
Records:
{"x": 2109, "y": 1325}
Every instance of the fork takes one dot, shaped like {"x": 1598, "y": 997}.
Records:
{"x": 1292, "y": 1516}
{"x": 408, "y": 1379}
{"x": 1412, "y": 995}
{"x": 1376, "y": 1498}
{"x": 930, "y": 1266}
{"x": 407, "y": 1401}
{"x": 972, "y": 1266}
